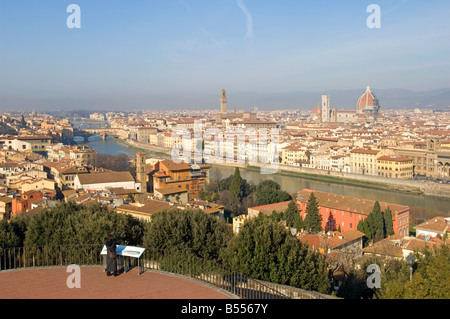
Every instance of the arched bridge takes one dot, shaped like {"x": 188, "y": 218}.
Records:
{"x": 103, "y": 132}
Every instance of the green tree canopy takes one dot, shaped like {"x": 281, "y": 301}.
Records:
{"x": 12, "y": 234}
{"x": 236, "y": 184}
{"x": 431, "y": 277}
{"x": 292, "y": 216}
{"x": 377, "y": 225}
{"x": 269, "y": 192}
{"x": 71, "y": 223}
{"x": 189, "y": 231}
{"x": 265, "y": 250}
{"x": 388, "y": 226}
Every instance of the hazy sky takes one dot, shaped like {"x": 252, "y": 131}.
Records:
{"x": 148, "y": 53}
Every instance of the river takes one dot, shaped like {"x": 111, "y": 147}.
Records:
{"x": 292, "y": 184}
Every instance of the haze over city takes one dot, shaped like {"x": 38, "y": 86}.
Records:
{"x": 179, "y": 54}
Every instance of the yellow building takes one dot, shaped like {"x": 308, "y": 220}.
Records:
{"x": 238, "y": 222}
{"x": 432, "y": 159}
{"x": 395, "y": 167}
{"x": 294, "y": 155}
{"x": 39, "y": 184}
{"x": 364, "y": 161}
{"x": 82, "y": 155}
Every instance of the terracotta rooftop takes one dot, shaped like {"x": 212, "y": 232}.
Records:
{"x": 395, "y": 158}
{"x": 268, "y": 209}
{"x": 108, "y": 177}
{"x": 364, "y": 151}
{"x": 173, "y": 166}
{"x": 436, "y": 224}
{"x": 347, "y": 203}
{"x": 149, "y": 207}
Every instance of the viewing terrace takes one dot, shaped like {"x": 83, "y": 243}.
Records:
{"x": 42, "y": 273}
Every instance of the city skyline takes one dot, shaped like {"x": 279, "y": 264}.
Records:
{"x": 163, "y": 54}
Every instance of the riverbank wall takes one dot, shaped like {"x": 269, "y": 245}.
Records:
{"x": 369, "y": 181}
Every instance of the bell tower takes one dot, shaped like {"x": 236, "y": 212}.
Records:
{"x": 223, "y": 101}
{"x": 141, "y": 176}
{"x": 325, "y": 108}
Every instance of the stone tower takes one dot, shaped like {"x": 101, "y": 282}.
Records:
{"x": 325, "y": 109}
{"x": 223, "y": 101}
{"x": 141, "y": 176}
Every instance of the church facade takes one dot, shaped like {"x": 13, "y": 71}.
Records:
{"x": 367, "y": 110}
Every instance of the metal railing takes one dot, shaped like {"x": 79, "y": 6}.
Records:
{"x": 209, "y": 272}
{"x": 47, "y": 256}
{"x": 174, "y": 262}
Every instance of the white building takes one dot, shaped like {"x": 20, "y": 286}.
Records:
{"x": 434, "y": 227}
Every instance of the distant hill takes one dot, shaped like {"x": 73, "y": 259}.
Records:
{"x": 396, "y": 98}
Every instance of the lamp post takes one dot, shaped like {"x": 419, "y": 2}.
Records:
{"x": 410, "y": 259}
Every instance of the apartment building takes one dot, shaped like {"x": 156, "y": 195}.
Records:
{"x": 430, "y": 159}
{"x": 364, "y": 161}
{"x": 395, "y": 167}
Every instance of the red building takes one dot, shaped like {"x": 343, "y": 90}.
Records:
{"x": 347, "y": 212}
{"x": 23, "y": 202}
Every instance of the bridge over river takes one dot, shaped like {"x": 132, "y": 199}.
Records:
{"x": 88, "y": 132}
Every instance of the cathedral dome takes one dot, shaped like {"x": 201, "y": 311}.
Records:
{"x": 367, "y": 100}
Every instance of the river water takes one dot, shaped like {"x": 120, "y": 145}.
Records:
{"x": 292, "y": 184}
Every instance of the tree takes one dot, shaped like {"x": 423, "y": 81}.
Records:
{"x": 292, "y": 216}
{"x": 190, "y": 231}
{"x": 377, "y": 222}
{"x": 364, "y": 228}
{"x": 236, "y": 184}
{"x": 374, "y": 225}
{"x": 264, "y": 250}
{"x": 12, "y": 233}
{"x": 71, "y": 223}
{"x": 431, "y": 278}
{"x": 117, "y": 163}
{"x": 331, "y": 223}
{"x": 231, "y": 204}
{"x": 269, "y": 192}
{"x": 313, "y": 219}
{"x": 388, "y": 226}
{"x": 211, "y": 191}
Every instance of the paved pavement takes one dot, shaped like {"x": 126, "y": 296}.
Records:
{"x": 51, "y": 283}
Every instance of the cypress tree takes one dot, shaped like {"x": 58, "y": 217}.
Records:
{"x": 389, "y": 227}
{"x": 374, "y": 225}
{"x": 292, "y": 216}
{"x": 331, "y": 223}
{"x": 313, "y": 219}
{"x": 364, "y": 228}
{"x": 378, "y": 222}
{"x": 236, "y": 184}
{"x": 266, "y": 251}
